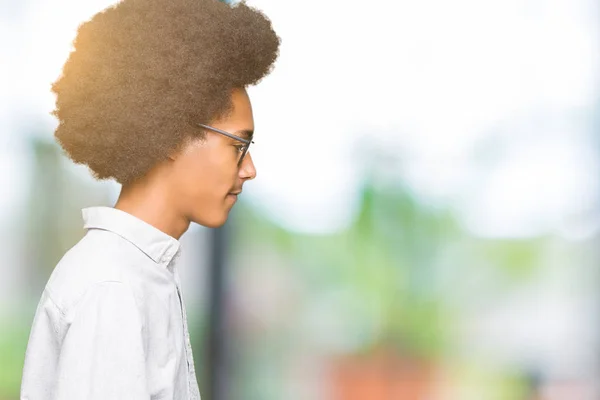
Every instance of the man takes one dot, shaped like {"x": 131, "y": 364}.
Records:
{"x": 154, "y": 96}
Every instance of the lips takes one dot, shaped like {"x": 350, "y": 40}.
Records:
{"x": 232, "y": 197}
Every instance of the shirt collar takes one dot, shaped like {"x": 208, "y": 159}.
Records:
{"x": 156, "y": 244}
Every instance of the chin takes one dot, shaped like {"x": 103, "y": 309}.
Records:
{"x": 213, "y": 221}
{"x": 215, "y": 224}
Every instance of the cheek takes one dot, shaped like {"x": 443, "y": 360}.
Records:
{"x": 206, "y": 174}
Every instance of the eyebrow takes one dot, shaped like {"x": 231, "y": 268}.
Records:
{"x": 246, "y": 134}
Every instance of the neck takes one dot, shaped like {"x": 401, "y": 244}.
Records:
{"x": 152, "y": 205}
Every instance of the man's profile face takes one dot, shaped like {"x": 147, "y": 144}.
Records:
{"x": 206, "y": 172}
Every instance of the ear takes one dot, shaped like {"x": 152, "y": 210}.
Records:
{"x": 180, "y": 149}
{"x": 174, "y": 154}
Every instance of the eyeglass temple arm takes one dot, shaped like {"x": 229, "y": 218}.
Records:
{"x": 226, "y": 134}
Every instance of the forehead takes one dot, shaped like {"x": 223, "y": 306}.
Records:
{"x": 239, "y": 121}
{"x": 242, "y": 108}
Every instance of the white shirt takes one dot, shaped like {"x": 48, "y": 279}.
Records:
{"x": 111, "y": 323}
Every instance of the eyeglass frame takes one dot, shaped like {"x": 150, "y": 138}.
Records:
{"x": 232, "y": 136}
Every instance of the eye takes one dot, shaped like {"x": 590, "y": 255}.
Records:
{"x": 240, "y": 147}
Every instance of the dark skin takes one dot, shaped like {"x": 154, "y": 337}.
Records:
{"x": 198, "y": 183}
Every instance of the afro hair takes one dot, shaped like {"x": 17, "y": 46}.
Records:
{"x": 143, "y": 72}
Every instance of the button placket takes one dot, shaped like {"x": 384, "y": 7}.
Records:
{"x": 193, "y": 390}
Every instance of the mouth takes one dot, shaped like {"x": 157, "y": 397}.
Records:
{"x": 233, "y": 195}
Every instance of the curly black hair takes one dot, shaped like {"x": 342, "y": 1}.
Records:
{"x": 144, "y": 71}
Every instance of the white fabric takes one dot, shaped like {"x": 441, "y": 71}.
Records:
{"x": 111, "y": 323}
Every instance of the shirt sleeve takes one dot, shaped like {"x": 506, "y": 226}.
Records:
{"x": 102, "y": 354}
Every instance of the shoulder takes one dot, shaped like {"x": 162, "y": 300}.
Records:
{"x": 100, "y": 303}
{"x": 97, "y": 265}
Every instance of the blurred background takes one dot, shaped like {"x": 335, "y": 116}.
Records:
{"x": 425, "y": 222}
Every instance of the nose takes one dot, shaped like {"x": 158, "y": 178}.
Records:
{"x": 247, "y": 169}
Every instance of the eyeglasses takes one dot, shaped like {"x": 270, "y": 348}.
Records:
{"x": 239, "y": 139}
